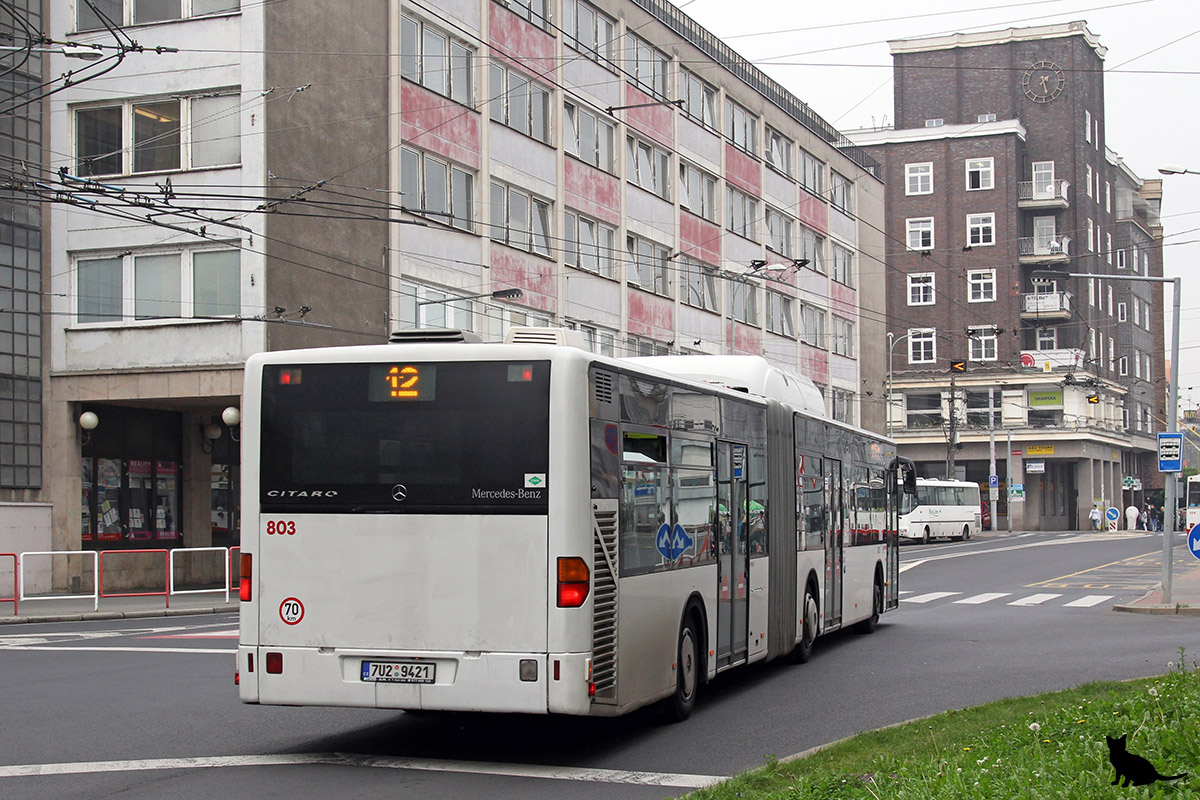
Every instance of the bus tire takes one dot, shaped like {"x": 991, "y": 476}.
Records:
{"x": 869, "y": 624}
{"x": 966, "y": 532}
{"x": 808, "y": 627}
{"x": 925, "y": 536}
{"x": 687, "y": 672}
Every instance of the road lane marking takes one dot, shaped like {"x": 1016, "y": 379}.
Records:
{"x": 1074, "y": 539}
{"x": 987, "y": 597}
{"x": 75, "y": 649}
{"x": 1088, "y": 601}
{"x": 1034, "y": 599}
{"x": 930, "y": 597}
{"x": 582, "y": 774}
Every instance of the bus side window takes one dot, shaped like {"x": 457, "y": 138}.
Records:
{"x": 606, "y": 472}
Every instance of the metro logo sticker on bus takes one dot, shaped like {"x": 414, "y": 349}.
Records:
{"x": 673, "y": 543}
{"x": 535, "y": 480}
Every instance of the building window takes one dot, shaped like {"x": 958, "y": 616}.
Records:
{"x": 1121, "y": 262}
{"x": 843, "y": 337}
{"x": 438, "y": 62}
{"x": 1123, "y": 366}
{"x": 981, "y": 174}
{"x": 921, "y": 289}
{"x": 1091, "y": 236}
{"x": 532, "y": 11}
{"x": 649, "y": 166}
{"x": 743, "y": 302}
{"x": 1087, "y": 179}
{"x": 1107, "y": 197}
{"x": 742, "y": 213}
{"x": 779, "y": 151}
{"x": 648, "y": 264}
{"x": 919, "y": 233}
{"x": 131, "y": 12}
{"x": 589, "y": 137}
{"x": 597, "y": 340}
{"x": 589, "y": 30}
{"x": 698, "y": 191}
{"x": 699, "y": 99}
{"x": 701, "y": 284}
{"x": 741, "y": 127}
{"x": 1137, "y": 312}
{"x": 1123, "y": 310}
{"x": 843, "y": 265}
{"x": 936, "y": 122}
{"x": 519, "y": 103}
{"x": 981, "y": 230}
{"x": 520, "y": 220}
{"x": 434, "y": 188}
{"x": 649, "y": 67}
{"x": 425, "y": 307}
{"x": 187, "y": 284}
{"x": 983, "y": 343}
{"x": 981, "y": 285}
{"x": 589, "y": 244}
{"x": 841, "y": 405}
{"x": 923, "y": 410}
{"x": 812, "y": 172}
{"x": 812, "y": 325}
{"x": 779, "y": 314}
{"x": 984, "y": 408}
{"x": 779, "y": 232}
{"x": 812, "y": 247}
{"x": 841, "y": 192}
{"x": 1047, "y": 339}
{"x": 918, "y": 178}
{"x": 1087, "y": 126}
{"x": 922, "y": 346}
{"x": 158, "y": 135}
{"x": 985, "y": 118}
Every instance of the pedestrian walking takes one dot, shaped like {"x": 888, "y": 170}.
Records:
{"x": 1094, "y": 516}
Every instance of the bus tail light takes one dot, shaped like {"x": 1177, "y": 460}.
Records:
{"x": 275, "y": 663}
{"x": 574, "y": 581}
{"x": 246, "y": 572}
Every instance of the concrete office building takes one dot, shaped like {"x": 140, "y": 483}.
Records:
{"x": 295, "y": 175}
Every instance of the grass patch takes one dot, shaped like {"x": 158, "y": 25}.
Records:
{"x": 1035, "y": 748}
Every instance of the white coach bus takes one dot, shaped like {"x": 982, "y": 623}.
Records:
{"x": 941, "y": 509}
{"x": 529, "y": 527}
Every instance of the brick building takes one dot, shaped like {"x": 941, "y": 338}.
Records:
{"x": 998, "y": 171}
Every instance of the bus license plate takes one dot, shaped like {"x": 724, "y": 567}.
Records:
{"x": 399, "y": 671}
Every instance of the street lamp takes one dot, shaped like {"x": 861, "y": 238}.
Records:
{"x": 1171, "y": 500}
{"x": 500, "y": 294}
{"x": 1176, "y": 169}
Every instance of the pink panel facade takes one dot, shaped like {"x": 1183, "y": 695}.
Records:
{"x": 812, "y": 212}
{"x": 592, "y": 191}
{"x": 656, "y": 122}
{"x": 814, "y": 364}
{"x": 746, "y": 340}
{"x": 521, "y": 44}
{"x": 651, "y": 315}
{"x": 532, "y": 275}
{"x": 743, "y": 171}
{"x": 438, "y": 125}
{"x": 843, "y": 301}
{"x": 699, "y": 238}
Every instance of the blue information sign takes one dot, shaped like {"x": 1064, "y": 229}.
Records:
{"x": 1194, "y": 541}
{"x": 1170, "y": 452}
{"x": 1113, "y": 514}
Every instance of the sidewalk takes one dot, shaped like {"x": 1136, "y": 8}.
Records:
{"x": 1185, "y": 590}
{"x": 72, "y": 609}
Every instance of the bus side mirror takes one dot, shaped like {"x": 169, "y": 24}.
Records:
{"x": 910, "y": 481}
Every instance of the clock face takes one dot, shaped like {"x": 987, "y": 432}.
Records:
{"x": 1043, "y": 82}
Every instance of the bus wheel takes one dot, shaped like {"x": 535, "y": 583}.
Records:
{"x": 808, "y": 633}
{"x": 966, "y": 532}
{"x": 868, "y": 625}
{"x": 687, "y": 673}
{"x": 925, "y": 536}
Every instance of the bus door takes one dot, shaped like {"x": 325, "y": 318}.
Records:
{"x": 834, "y": 562}
{"x": 733, "y": 559}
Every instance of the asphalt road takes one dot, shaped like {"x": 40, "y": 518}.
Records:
{"x": 147, "y": 708}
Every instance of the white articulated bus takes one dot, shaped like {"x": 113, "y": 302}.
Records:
{"x": 529, "y": 527}
{"x": 941, "y": 509}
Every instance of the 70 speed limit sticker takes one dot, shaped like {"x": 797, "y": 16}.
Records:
{"x": 291, "y": 611}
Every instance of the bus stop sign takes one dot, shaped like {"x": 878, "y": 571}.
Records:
{"x": 1170, "y": 452}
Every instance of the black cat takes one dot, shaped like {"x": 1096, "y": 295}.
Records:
{"x": 1136, "y": 770}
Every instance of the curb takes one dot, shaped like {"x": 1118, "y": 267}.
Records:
{"x": 1179, "y": 609}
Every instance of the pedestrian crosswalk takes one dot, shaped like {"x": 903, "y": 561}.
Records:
{"x": 1038, "y": 599}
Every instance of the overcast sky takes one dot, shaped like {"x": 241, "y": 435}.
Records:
{"x": 835, "y": 57}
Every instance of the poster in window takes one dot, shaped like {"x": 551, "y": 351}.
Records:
{"x": 141, "y": 494}
{"x": 108, "y": 499}
{"x": 166, "y": 510}
{"x": 86, "y": 501}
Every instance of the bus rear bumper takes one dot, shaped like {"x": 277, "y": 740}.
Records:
{"x": 529, "y": 683}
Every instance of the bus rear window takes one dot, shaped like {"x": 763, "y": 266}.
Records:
{"x": 451, "y": 437}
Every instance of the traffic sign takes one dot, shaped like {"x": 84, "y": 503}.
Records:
{"x": 1170, "y": 452}
{"x": 993, "y": 480}
{"x": 1194, "y": 541}
{"x": 1112, "y": 514}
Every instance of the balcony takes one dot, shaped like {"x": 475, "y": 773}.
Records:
{"x": 1046, "y": 305}
{"x": 1043, "y": 194}
{"x": 1038, "y": 250}
{"x": 1051, "y": 360}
